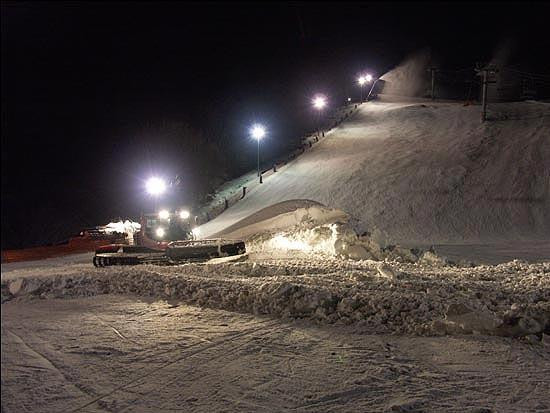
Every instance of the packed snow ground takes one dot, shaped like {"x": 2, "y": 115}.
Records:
{"x": 427, "y": 173}
{"x": 130, "y": 354}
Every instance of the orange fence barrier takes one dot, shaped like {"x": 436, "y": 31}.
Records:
{"x": 75, "y": 245}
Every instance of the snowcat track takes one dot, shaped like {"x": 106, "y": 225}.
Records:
{"x": 179, "y": 252}
{"x": 106, "y": 261}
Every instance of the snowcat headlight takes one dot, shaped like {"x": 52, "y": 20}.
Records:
{"x": 160, "y": 232}
{"x": 164, "y": 214}
{"x": 184, "y": 214}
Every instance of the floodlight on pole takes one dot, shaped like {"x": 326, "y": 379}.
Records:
{"x": 155, "y": 186}
{"x": 319, "y": 102}
{"x": 257, "y": 132}
{"x": 362, "y": 80}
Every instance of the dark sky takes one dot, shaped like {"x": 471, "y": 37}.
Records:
{"x": 80, "y": 79}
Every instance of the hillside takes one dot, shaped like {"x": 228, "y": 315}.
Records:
{"x": 426, "y": 172}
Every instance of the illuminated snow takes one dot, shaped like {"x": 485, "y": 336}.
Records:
{"x": 126, "y": 227}
{"x": 413, "y": 170}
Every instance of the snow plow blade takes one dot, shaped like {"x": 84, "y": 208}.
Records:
{"x": 176, "y": 252}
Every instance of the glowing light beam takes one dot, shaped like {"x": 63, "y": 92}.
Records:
{"x": 155, "y": 186}
{"x": 319, "y": 102}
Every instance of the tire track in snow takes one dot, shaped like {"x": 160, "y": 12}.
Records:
{"x": 265, "y": 324}
{"x": 45, "y": 363}
{"x": 116, "y": 331}
{"x": 227, "y": 354}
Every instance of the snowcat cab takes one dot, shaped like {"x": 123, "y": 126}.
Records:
{"x": 157, "y": 230}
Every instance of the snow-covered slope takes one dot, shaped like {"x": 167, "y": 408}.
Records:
{"x": 424, "y": 172}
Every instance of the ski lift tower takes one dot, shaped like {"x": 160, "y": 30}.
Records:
{"x": 488, "y": 75}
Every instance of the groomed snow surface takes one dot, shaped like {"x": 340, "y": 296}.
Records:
{"x": 424, "y": 173}
{"x": 115, "y": 353}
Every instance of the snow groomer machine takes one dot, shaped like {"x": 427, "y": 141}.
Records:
{"x": 166, "y": 237}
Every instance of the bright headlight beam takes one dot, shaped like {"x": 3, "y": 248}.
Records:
{"x": 368, "y": 78}
{"x": 160, "y": 232}
{"x": 155, "y": 186}
{"x": 184, "y": 214}
{"x": 164, "y": 214}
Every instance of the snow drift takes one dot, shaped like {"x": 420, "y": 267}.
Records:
{"x": 511, "y": 299}
{"x": 284, "y": 215}
{"x": 423, "y": 172}
{"x": 295, "y": 225}
{"x": 308, "y": 227}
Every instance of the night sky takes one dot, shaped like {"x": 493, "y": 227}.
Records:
{"x": 82, "y": 83}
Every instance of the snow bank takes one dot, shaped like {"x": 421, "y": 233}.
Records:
{"x": 510, "y": 299}
{"x": 283, "y": 215}
{"x": 308, "y": 227}
{"x": 296, "y": 225}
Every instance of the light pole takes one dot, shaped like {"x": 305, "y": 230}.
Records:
{"x": 319, "y": 102}
{"x": 258, "y": 132}
{"x": 362, "y": 80}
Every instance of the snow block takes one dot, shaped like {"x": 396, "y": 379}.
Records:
{"x": 15, "y": 286}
